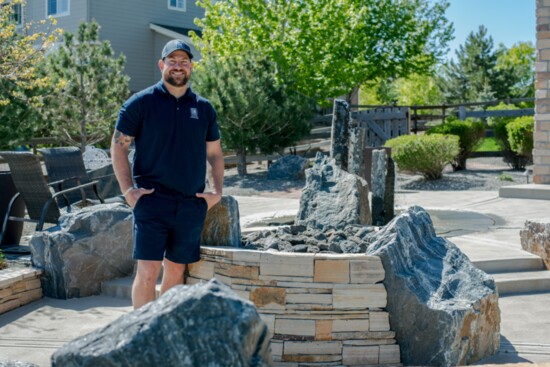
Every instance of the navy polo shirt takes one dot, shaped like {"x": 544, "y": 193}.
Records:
{"x": 170, "y": 136}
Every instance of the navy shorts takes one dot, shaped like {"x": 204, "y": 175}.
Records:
{"x": 168, "y": 227}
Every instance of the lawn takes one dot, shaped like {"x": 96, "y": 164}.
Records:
{"x": 488, "y": 144}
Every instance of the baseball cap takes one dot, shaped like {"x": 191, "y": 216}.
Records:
{"x": 175, "y": 45}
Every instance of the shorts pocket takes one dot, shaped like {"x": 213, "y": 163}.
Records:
{"x": 140, "y": 200}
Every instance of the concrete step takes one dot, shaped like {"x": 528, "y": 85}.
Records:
{"x": 527, "y": 191}
{"x": 522, "y": 282}
{"x": 121, "y": 288}
{"x": 510, "y": 265}
{"x": 494, "y": 256}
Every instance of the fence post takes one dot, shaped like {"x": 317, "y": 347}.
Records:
{"x": 462, "y": 113}
{"x": 341, "y": 121}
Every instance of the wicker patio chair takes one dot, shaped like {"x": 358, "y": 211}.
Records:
{"x": 28, "y": 178}
{"x": 66, "y": 167}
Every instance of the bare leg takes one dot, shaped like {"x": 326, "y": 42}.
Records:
{"x": 143, "y": 289}
{"x": 172, "y": 275}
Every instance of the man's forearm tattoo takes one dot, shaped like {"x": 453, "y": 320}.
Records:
{"x": 122, "y": 139}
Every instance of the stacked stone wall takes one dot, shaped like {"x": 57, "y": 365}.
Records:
{"x": 19, "y": 286}
{"x": 541, "y": 136}
{"x": 321, "y": 309}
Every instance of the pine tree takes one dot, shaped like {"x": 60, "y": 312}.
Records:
{"x": 89, "y": 88}
{"x": 255, "y": 110}
{"x": 473, "y": 76}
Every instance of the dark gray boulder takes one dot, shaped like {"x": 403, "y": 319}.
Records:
{"x": 443, "y": 309}
{"x": 332, "y": 197}
{"x": 88, "y": 246}
{"x": 202, "y": 325}
{"x": 288, "y": 167}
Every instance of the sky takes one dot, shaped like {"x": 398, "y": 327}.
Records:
{"x": 507, "y": 21}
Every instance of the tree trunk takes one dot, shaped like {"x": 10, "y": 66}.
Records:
{"x": 241, "y": 161}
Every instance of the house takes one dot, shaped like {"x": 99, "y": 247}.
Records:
{"x": 137, "y": 28}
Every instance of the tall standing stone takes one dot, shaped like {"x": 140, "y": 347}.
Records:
{"x": 382, "y": 187}
{"x": 332, "y": 197}
{"x": 443, "y": 309}
{"x": 378, "y": 187}
{"x": 341, "y": 122}
{"x": 222, "y": 224}
{"x": 355, "y": 150}
{"x": 202, "y": 325}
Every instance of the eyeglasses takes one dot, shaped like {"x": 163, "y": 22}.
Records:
{"x": 171, "y": 62}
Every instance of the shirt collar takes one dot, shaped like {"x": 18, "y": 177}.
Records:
{"x": 188, "y": 93}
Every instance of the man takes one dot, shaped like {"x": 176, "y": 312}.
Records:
{"x": 175, "y": 133}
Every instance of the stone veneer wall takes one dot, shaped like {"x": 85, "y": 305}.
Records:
{"x": 541, "y": 151}
{"x": 321, "y": 309}
{"x": 19, "y": 286}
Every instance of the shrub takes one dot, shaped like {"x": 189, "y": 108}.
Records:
{"x": 424, "y": 154}
{"x": 520, "y": 136}
{"x": 501, "y": 136}
{"x": 470, "y": 134}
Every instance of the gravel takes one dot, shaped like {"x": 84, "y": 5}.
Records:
{"x": 482, "y": 174}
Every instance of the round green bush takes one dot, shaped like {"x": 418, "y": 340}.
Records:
{"x": 520, "y": 135}
{"x": 424, "y": 154}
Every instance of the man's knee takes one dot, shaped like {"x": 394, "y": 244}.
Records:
{"x": 148, "y": 271}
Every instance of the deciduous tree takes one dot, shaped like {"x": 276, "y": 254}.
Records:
{"x": 22, "y": 51}
{"x": 329, "y": 47}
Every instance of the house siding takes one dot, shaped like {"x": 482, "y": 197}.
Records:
{"x": 35, "y": 10}
{"x": 130, "y": 34}
{"x": 125, "y": 23}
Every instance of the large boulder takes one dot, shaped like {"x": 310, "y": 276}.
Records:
{"x": 288, "y": 167}
{"x": 203, "y": 325}
{"x": 535, "y": 238}
{"x": 332, "y": 197}
{"x": 443, "y": 309}
{"x": 88, "y": 246}
{"x": 222, "y": 226}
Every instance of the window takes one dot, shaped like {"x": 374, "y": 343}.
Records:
{"x": 16, "y": 15}
{"x": 57, "y": 7}
{"x": 176, "y": 5}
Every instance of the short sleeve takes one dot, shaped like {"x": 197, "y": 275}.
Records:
{"x": 129, "y": 117}
{"x": 213, "y": 133}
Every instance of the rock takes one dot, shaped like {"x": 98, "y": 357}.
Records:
{"x": 382, "y": 185}
{"x": 443, "y": 309}
{"x": 202, "y": 325}
{"x": 339, "y": 135}
{"x": 88, "y": 246}
{"x": 535, "y": 238}
{"x": 332, "y": 197}
{"x": 288, "y": 167}
{"x": 222, "y": 224}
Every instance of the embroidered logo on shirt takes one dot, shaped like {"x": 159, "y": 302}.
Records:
{"x": 194, "y": 113}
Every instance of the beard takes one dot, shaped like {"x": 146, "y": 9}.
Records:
{"x": 177, "y": 82}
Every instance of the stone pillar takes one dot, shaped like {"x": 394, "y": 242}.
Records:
{"x": 383, "y": 187}
{"x": 541, "y": 151}
{"x": 355, "y": 150}
{"x": 341, "y": 122}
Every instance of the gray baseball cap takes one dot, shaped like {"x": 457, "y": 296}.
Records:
{"x": 175, "y": 45}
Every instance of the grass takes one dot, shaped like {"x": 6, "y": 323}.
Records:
{"x": 488, "y": 145}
